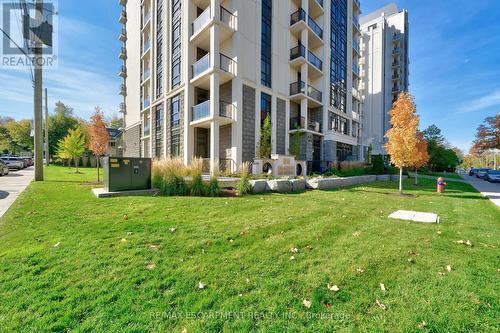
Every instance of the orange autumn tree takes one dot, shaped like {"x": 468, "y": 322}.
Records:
{"x": 99, "y": 136}
{"x": 402, "y": 139}
{"x": 422, "y": 156}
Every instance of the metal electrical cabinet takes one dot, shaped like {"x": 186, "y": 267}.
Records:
{"x": 126, "y": 173}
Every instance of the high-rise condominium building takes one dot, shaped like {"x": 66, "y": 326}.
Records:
{"x": 201, "y": 76}
{"x": 385, "y": 66}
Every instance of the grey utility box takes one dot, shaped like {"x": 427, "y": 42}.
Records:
{"x": 126, "y": 173}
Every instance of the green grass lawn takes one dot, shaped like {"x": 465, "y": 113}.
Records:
{"x": 118, "y": 267}
{"x": 442, "y": 174}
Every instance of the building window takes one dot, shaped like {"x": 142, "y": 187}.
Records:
{"x": 159, "y": 48}
{"x": 338, "y": 124}
{"x": 265, "y": 53}
{"x": 344, "y": 152}
{"x": 338, "y": 59}
{"x": 112, "y": 143}
{"x": 175, "y": 114}
{"x": 159, "y": 130}
{"x": 265, "y": 107}
{"x": 146, "y": 124}
{"x": 176, "y": 43}
{"x": 175, "y": 147}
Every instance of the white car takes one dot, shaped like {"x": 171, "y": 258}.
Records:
{"x": 13, "y": 162}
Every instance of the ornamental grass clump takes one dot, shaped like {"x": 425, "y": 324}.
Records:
{"x": 195, "y": 170}
{"x": 243, "y": 186}
{"x": 168, "y": 176}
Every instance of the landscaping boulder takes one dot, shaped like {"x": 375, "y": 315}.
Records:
{"x": 280, "y": 185}
{"x": 298, "y": 185}
{"x": 260, "y": 186}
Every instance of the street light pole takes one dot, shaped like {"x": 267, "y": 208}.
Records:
{"x": 38, "y": 52}
{"x": 47, "y": 155}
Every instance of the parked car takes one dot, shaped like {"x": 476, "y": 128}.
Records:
{"x": 472, "y": 172}
{"x": 29, "y": 161}
{"x": 14, "y": 163}
{"x": 481, "y": 172}
{"x": 492, "y": 176}
{"x": 4, "y": 169}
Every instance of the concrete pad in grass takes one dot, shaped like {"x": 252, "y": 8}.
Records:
{"x": 409, "y": 215}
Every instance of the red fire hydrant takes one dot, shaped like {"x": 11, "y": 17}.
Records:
{"x": 440, "y": 185}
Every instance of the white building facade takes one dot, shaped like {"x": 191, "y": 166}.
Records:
{"x": 385, "y": 66}
{"x": 200, "y": 77}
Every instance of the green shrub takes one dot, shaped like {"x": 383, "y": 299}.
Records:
{"x": 378, "y": 167}
{"x": 391, "y": 170}
{"x": 174, "y": 185}
{"x": 360, "y": 171}
{"x": 213, "y": 188}
{"x": 243, "y": 186}
{"x": 197, "y": 187}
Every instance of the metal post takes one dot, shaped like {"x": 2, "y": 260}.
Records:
{"x": 47, "y": 155}
{"x": 38, "y": 52}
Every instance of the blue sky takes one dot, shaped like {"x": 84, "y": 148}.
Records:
{"x": 454, "y": 54}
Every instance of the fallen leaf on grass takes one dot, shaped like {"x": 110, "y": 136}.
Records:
{"x": 307, "y": 303}
{"x": 441, "y": 273}
{"x": 123, "y": 240}
{"x": 413, "y": 253}
{"x": 201, "y": 285}
{"x": 294, "y": 250}
{"x": 172, "y": 230}
{"x": 129, "y": 233}
{"x": 448, "y": 268}
{"x": 57, "y": 244}
{"x": 356, "y": 233}
{"x": 422, "y": 325}
{"x": 333, "y": 287}
{"x": 154, "y": 247}
{"x": 151, "y": 266}
{"x": 184, "y": 330}
{"x": 380, "y": 305}
{"x": 245, "y": 231}
{"x": 464, "y": 242}
{"x": 439, "y": 232}
{"x": 382, "y": 287}
{"x": 411, "y": 260}
{"x": 292, "y": 258}
{"x": 125, "y": 217}
{"x": 360, "y": 270}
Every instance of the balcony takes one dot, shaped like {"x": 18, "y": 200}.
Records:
{"x": 396, "y": 50}
{"x": 146, "y": 18}
{"x": 146, "y": 75}
{"x": 123, "y": 54}
{"x": 200, "y": 32}
{"x": 123, "y": 17}
{"x": 395, "y": 64}
{"x": 146, "y": 102}
{"x": 299, "y": 55}
{"x": 356, "y": 116}
{"x": 123, "y": 72}
{"x": 299, "y": 123}
{"x": 200, "y": 111}
{"x": 395, "y": 90}
{"x": 395, "y": 76}
{"x": 123, "y": 35}
{"x": 355, "y": 46}
{"x": 146, "y": 47}
{"x": 355, "y": 70}
{"x": 123, "y": 108}
{"x": 357, "y": 5}
{"x": 362, "y": 60}
{"x": 227, "y": 110}
{"x": 201, "y": 70}
{"x": 355, "y": 22}
{"x": 123, "y": 90}
{"x": 300, "y": 89}
{"x": 122, "y": 2}
{"x": 299, "y": 21}
{"x": 356, "y": 94}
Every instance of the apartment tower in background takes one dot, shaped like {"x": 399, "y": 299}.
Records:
{"x": 386, "y": 69}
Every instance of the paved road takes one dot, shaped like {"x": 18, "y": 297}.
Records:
{"x": 489, "y": 190}
{"x": 12, "y": 185}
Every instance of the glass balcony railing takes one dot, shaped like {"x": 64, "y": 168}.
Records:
{"x": 298, "y": 122}
{"x": 201, "y": 65}
{"x": 355, "y": 46}
{"x": 314, "y": 60}
{"x": 226, "y": 110}
{"x": 301, "y": 15}
{"x": 300, "y": 87}
{"x": 227, "y": 64}
{"x": 355, "y": 21}
{"x": 146, "y": 75}
{"x": 201, "y": 111}
{"x": 297, "y": 52}
{"x": 145, "y": 18}
{"x": 146, "y": 46}
{"x": 200, "y": 21}
{"x": 146, "y": 102}
{"x": 227, "y": 17}
{"x": 355, "y": 69}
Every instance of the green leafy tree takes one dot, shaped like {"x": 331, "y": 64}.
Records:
{"x": 20, "y": 133}
{"x": 72, "y": 146}
{"x": 5, "y": 140}
{"x": 265, "y": 139}
{"x": 59, "y": 124}
{"x": 433, "y": 133}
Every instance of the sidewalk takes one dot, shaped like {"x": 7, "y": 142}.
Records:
{"x": 487, "y": 189}
{"x": 12, "y": 185}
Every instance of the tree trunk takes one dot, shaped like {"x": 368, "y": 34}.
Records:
{"x": 76, "y": 160}
{"x": 98, "y": 168}
{"x": 401, "y": 180}
{"x": 416, "y": 176}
